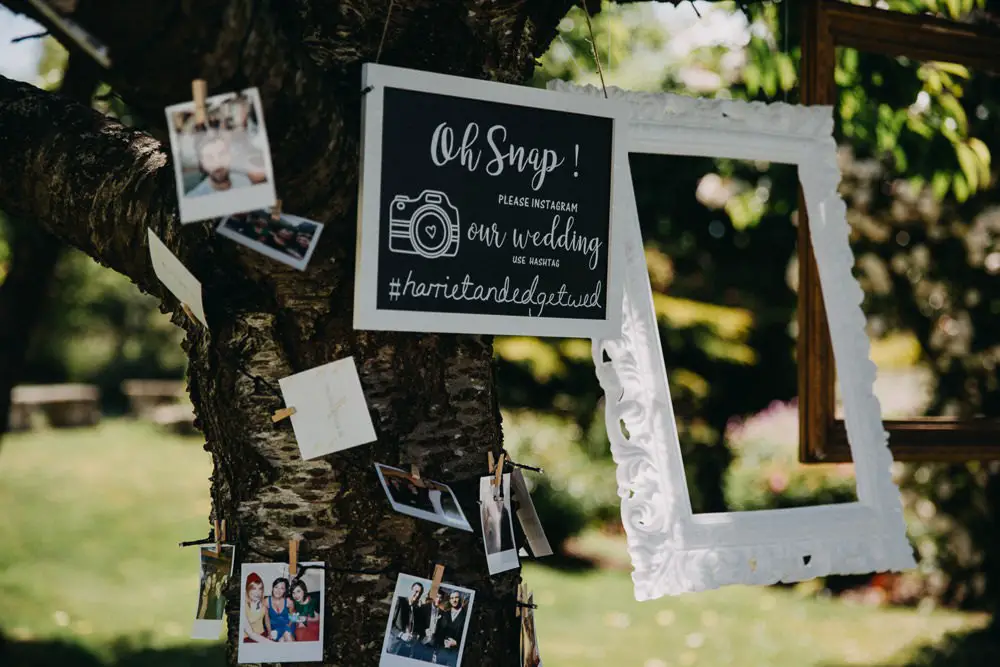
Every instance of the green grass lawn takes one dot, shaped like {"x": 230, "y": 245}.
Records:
{"x": 90, "y": 574}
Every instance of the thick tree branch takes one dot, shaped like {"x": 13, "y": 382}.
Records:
{"x": 86, "y": 178}
{"x": 24, "y": 291}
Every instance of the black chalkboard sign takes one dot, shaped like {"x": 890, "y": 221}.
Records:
{"x": 486, "y": 213}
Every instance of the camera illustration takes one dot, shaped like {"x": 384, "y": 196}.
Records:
{"x": 426, "y": 225}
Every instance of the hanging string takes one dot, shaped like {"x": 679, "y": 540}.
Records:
{"x": 593, "y": 44}
{"x": 385, "y": 29}
{"x": 37, "y": 35}
{"x": 381, "y": 43}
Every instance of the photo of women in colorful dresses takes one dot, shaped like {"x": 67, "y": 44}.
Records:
{"x": 281, "y": 617}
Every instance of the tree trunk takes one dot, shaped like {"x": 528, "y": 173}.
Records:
{"x": 99, "y": 186}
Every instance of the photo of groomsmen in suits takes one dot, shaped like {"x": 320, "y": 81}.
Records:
{"x": 426, "y": 629}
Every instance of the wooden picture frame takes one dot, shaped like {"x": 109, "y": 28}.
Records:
{"x": 826, "y": 25}
{"x": 673, "y": 549}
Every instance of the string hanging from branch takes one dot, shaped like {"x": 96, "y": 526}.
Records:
{"x": 593, "y": 45}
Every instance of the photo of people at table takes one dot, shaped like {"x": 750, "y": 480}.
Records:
{"x": 289, "y": 239}
{"x": 421, "y": 498}
{"x": 279, "y": 615}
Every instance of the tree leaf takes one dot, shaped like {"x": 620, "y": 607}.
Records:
{"x": 969, "y": 163}
{"x": 954, "y": 109}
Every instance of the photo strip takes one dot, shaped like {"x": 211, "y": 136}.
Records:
{"x": 424, "y": 630}
{"x": 216, "y": 567}
{"x": 423, "y": 499}
{"x": 223, "y": 166}
{"x": 498, "y": 528}
{"x": 289, "y": 239}
{"x": 527, "y": 516}
{"x": 281, "y": 618}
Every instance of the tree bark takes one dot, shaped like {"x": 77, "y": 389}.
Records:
{"x": 35, "y": 253}
{"x": 99, "y": 186}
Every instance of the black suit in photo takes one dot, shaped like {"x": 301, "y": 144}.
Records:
{"x": 449, "y": 629}
{"x": 411, "y": 495}
{"x": 421, "y": 617}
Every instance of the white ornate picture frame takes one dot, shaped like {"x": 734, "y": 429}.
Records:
{"x": 674, "y": 550}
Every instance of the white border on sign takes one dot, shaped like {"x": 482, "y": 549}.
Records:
{"x": 673, "y": 550}
{"x": 367, "y": 314}
{"x": 219, "y": 204}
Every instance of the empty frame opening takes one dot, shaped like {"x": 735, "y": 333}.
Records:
{"x": 918, "y": 144}
{"x": 720, "y": 248}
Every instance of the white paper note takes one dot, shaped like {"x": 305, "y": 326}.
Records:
{"x": 175, "y": 276}
{"x": 331, "y": 413}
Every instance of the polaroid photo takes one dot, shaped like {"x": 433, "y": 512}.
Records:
{"x": 426, "y": 631}
{"x": 281, "y": 618}
{"x": 216, "y": 567}
{"x": 331, "y": 413}
{"x": 498, "y": 528}
{"x": 223, "y": 166}
{"x": 530, "y": 656}
{"x": 423, "y": 499}
{"x": 528, "y": 517}
{"x": 290, "y": 239}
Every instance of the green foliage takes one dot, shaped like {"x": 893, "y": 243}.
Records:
{"x": 765, "y": 472}
{"x": 920, "y": 184}
{"x": 575, "y": 489}
{"x": 99, "y": 328}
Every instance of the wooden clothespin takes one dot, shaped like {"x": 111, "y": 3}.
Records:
{"x": 415, "y": 475}
{"x": 283, "y": 413}
{"x": 220, "y": 534}
{"x": 521, "y": 589}
{"x": 498, "y": 473}
{"x": 293, "y": 556}
{"x": 276, "y": 210}
{"x": 199, "y": 91}
{"x": 436, "y": 580}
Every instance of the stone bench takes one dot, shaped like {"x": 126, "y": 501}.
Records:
{"x": 177, "y": 418}
{"x": 58, "y": 405}
{"x": 145, "y": 396}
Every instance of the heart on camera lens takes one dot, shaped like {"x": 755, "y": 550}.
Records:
{"x": 432, "y": 231}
